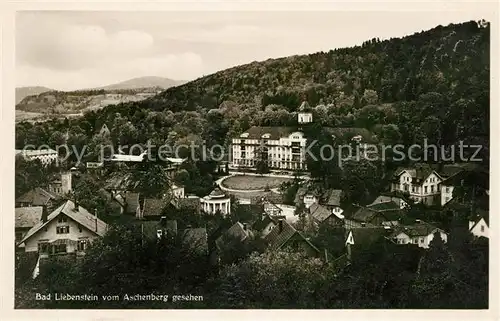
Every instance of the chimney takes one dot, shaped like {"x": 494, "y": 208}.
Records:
{"x": 45, "y": 214}
{"x": 76, "y": 203}
{"x": 280, "y": 225}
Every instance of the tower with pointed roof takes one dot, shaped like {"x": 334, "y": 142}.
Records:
{"x": 304, "y": 115}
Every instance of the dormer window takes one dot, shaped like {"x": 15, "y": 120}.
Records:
{"x": 266, "y": 136}
{"x": 244, "y": 135}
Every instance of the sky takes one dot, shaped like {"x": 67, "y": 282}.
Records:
{"x": 69, "y": 50}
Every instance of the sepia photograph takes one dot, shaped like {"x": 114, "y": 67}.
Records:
{"x": 251, "y": 159}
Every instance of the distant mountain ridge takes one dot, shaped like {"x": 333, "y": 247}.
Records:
{"x": 144, "y": 82}
{"x": 23, "y": 92}
{"x": 33, "y": 101}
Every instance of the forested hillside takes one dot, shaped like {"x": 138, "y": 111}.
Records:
{"x": 432, "y": 84}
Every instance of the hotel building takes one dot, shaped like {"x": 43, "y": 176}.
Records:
{"x": 279, "y": 147}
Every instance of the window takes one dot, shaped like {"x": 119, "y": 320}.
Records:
{"x": 62, "y": 219}
{"x": 432, "y": 188}
{"x": 60, "y": 248}
{"x": 79, "y": 228}
{"x": 413, "y": 189}
{"x": 447, "y": 189}
{"x": 422, "y": 240}
{"x": 62, "y": 230}
{"x": 82, "y": 245}
{"x": 43, "y": 247}
{"x": 482, "y": 228}
{"x": 19, "y": 236}
{"x": 425, "y": 189}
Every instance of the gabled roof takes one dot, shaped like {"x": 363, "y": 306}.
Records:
{"x": 260, "y": 224}
{"x": 365, "y": 236}
{"x": 481, "y": 215}
{"x": 80, "y": 215}
{"x": 236, "y": 232}
{"x": 279, "y": 236}
{"x": 450, "y": 170}
{"x": 365, "y": 214}
{"x": 119, "y": 181}
{"x": 319, "y": 212}
{"x": 384, "y": 206}
{"x": 415, "y": 229}
{"x": 27, "y": 217}
{"x": 304, "y": 106}
{"x": 36, "y": 197}
{"x": 153, "y": 207}
{"x": 419, "y": 172}
{"x": 190, "y": 202}
{"x": 332, "y": 197}
{"x": 466, "y": 177}
{"x": 395, "y": 196}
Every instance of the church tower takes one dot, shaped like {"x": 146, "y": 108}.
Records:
{"x": 304, "y": 115}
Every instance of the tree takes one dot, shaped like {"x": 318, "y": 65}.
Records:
{"x": 271, "y": 280}
{"x": 90, "y": 195}
{"x": 435, "y": 280}
{"x": 151, "y": 180}
{"x": 370, "y": 97}
{"x": 361, "y": 179}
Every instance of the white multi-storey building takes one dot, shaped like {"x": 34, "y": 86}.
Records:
{"x": 46, "y": 156}
{"x": 279, "y": 147}
{"x": 421, "y": 183}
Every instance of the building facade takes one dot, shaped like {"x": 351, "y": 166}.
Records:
{"x": 68, "y": 229}
{"x": 215, "y": 202}
{"x": 46, "y": 156}
{"x": 61, "y": 186}
{"x": 278, "y": 147}
{"x": 422, "y": 186}
{"x": 420, "y": 233}
{"x": 479, "y": 227}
